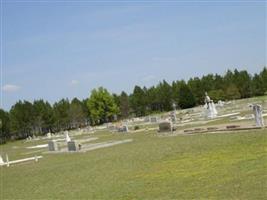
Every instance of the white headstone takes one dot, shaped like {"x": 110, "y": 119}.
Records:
{"x": 67, "y": 137}
{"x": 7, "y": 161}
{"x": 1, "y": 160}
{"x": 221, "y": 103}
{"x": 48, "y": 135}
{"x": 210, "y": 109}
{"x": 258, "y": 115}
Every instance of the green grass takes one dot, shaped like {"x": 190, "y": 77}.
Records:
{"x": 204, "y": 166}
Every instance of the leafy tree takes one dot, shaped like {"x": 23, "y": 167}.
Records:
{"x": 217, "y": 95}
{"x": 102, "y": 106}
{"x": 263, "y": 76}
{"x": 116, "y": 99}
{"x": 21, "y": 119}
{"x": 4, "y": 126}
{"x": 61, "y": 112}
{"x": 258, "y": 88}
{"x": 218, "y": 82}
{"x": 232, "y": 92}
{"x": 197, "y": 89}
{"x": 243, "y": 82}
{"x": 186, "y": 97}
{"x": 138, "y": 101}
{"x": 86, "y": 111}
{"x": 208, "y": 82}
{"x": 43, "y": 117}
{"x": 124, "y": 105}
{"x": 77, "y": 114}
{"x": 165, "y": 96}
{"x": 152, "y": 99}
{"x": 228, "y": 79}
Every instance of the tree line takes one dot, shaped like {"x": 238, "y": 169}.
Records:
{"x": 40, "y": 117}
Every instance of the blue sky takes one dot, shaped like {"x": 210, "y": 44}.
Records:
{"x": 54, "y": 50}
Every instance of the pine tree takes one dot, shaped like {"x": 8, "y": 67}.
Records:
{"x": 186, "y": 97}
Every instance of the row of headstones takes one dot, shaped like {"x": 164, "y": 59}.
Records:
{"x": 121, "y": 128}
{"x": 168, "y": 125}
{"x": 71, "y": 146}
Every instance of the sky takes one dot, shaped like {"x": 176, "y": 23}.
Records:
{"x": 64, "y": 49}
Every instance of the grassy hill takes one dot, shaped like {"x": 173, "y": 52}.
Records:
{"x": 202, "y": 166}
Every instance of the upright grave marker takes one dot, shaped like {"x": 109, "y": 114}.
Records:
{"x": 258, "y": 115}
{"x": 210, "y": 109}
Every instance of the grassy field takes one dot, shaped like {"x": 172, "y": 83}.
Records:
{"x": 203, "y": 166}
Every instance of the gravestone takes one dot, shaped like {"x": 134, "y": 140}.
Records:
{"x": 72, "y": 146}
{"x": 258, "y": 115}
{"x": 210, "y": 109}
{"x": 173, "y": 116}
{"x": 49, "y": 135}
{"x": 165, "y": 126}
{"x": 52, "y": 145}
{"x": 153, "y": 119}
{"x": 221, "y": 103}
{"x": 1, "y": 161}
{"x": 123, "y": 128}
{"x": 67, "y": 137}
{"x": 147, "y": 119}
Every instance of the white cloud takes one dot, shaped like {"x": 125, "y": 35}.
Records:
{"x": 10, "y": 88}
{"x": 74, "y": 82}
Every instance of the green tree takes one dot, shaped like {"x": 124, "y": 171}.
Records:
{"x": 197, "y": 89}
{"x": 258, "y": 88}
{"x": 228, "y": 79}
{"x": 102, "y": 106}
{"x": 263, "y": 76}
{"x": 86, "y": 111}
{"x": 152, "y": 99}
{"x": 61, "y": 113}
{"x": 232, "y": 92}
{"x": 217, "y": 95}
{"x": 165, "y": 96}
{"x": 208, "y": 83}
{"x": 21, "y": 119}
{"x": 4, "y": 126}
{"x": 43, "y": 117}
{"x": 138, "y": 101}
{"x": 218, "y": 82}
{"x": 116, "y": 99}
{"x": 186, "y": 97}
{"x": 77, "y": 114}
{"x": 124, "y": 105}
{"x": 242, "y": 81}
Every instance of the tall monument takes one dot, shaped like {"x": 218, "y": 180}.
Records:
{"x": 258, "y": 115}
{"x": 210, "y": 109}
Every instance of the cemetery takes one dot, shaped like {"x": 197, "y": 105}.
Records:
{"x": 133, "y": 100}
{"x": 165, "y": 157}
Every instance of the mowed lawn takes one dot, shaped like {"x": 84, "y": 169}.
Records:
{"x": 204, "y": 166}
